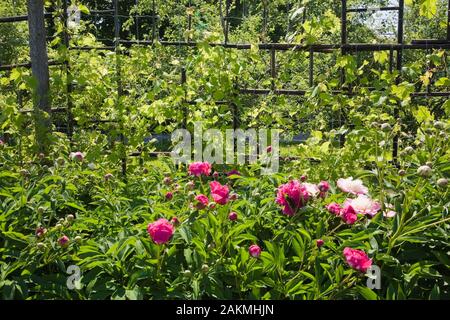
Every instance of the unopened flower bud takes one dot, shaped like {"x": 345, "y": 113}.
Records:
{"x": 424, "y": 171}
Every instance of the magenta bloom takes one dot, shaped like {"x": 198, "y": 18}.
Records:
{"x": 292, "y": 196}
{"x": 357, "y": 259}
{"x": 200, "y": 168}
{"x": 77, "y": 155}
{"x": 160, "y": 231}
{"x": 233, "y": 216}
{"x": 63, "y": 241}
{"x": 202, "y": 201}
{"x": 334, "y": 208}
{"x": 319, "y": 243}
{"x": 219, "y": 192}
{"x": 348, "y": 214}
{"x": 254, "y": 250}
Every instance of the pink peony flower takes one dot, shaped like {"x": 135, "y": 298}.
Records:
{"x": 319, "y": 243}
{"x": 312, "y": 189}
{"x": 200, "y": 168}
{"x": 202, "y": 201}
{"x": 233, "y": 216}
{"x": 160, "y": 231}
{"x": 334, "y": 208}
{"x": 352, "y": 186}
{"x": 323, "y": 186}
{"x": 357, "y": 259}
{"x": 364, "y": 205}
{"x": 77, "y": 155}
{"x": 348, "y": 214}
{"x": 219, "y": 192}
{"x": 254, "y": 250}
{"x": 292, "y": 196}
{"x": 63, "y": 241}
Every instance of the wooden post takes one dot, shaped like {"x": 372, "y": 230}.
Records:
{"x": 39, "y": 67}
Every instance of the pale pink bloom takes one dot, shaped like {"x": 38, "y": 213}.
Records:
{"x": 389, "y": 213}
{"x": 364, "y": 205}
{"x": 352, "y": 186}
{"x": 357, "y": 259}
{"x": 312, "y": 189}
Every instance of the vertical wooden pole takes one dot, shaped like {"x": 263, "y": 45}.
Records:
{"x": 68, "y": 75}
{"x": 39, "y": 67}
{"x": 401, "y": 4}
{"x": 343, "y": 52}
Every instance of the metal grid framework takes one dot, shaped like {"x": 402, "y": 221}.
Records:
{"x": 344, "y": 47}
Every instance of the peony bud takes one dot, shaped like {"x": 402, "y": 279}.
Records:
{"x": 167, "y": 181}
{"x": 386, "y": 127}
{"x": 78, "y": 239}
{"x": 41, "y": 246}
{"x": 442, "y": 183}
{"x": 187, "y": 273}
{"x": 303, "y": 178}
{"x": 424, "y": 171}
{"x": 190, "y": 185}
{"x": 319, "y": 243}
{"x": 233, "y": 216}
{"x": 169, "y": 195}
{"x": 205, "y": 268}
{"x": 254, "y": 250}
{"x": 70, "y": 217}
{"x": 63, "y": 241}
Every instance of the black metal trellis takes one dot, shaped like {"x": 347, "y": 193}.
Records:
{"x": 273, "y": 48}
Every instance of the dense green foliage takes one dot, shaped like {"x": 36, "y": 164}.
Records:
{"x": 208, "y": 256}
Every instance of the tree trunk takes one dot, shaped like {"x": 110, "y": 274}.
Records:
{"x": 39, "y": 67}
